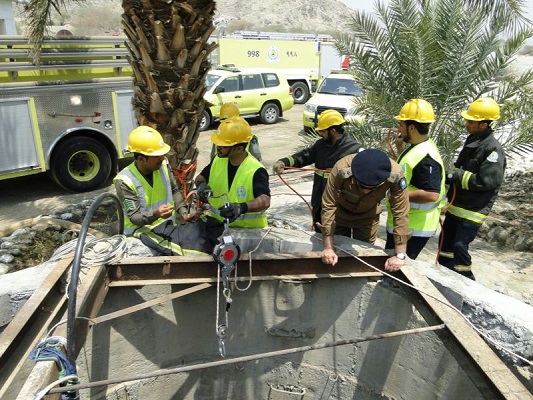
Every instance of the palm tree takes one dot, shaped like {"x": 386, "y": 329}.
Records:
{"x": 168, "y": 45}
{"x": 449, "y": 52}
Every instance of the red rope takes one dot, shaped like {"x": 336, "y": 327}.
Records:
{"x": 298, "y": 194}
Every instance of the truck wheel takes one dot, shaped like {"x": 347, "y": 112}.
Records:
{"x": 269, "y": 113}
{"x": 80, "y": 164}
{"x": 300, "y": 92}
{"x": 205, "y": 123}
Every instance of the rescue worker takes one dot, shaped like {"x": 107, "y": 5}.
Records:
{"x": 351, "y": 203}
{"x": 238, "y": 181}
{"x": 150, "y": 196}
{"x": 230, "y": 110}
{"x": 324, "y": 153}
{"x": 423, "y": 168}
{"x": 476, "y": 180}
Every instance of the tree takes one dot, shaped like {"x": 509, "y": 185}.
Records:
{"x": 168, "y": 45}
{"x": 449, "y": 52}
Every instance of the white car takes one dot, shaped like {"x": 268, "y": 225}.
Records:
{"x": 337, "y": 91}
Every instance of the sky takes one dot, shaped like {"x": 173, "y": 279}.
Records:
{"x": 368, "y": 5}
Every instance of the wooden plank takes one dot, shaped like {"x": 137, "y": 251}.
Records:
{"x": 150, "y": 303}
{"x": 45, "y": 297}
{"x": 91, "y": 294}
{"x": 505, "y": 382}
{"x": 307, "y": 265}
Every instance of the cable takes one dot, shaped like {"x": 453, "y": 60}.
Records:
{"x": 484, "y": 335}
{"x": 250, "y": 262}
{"x": 43, "y": 392}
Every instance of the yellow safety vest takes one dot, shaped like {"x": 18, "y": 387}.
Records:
{"x": 423, "y": 217}
{"x": 241, "y": 190}
{"x": 150, "y": 197}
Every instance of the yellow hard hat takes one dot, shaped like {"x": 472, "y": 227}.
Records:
{"x": 229, "y": 110}
{"x": 232, "y": 131}
{"x": 483, "y": 109}
{"x": 329, "y": 118}
{"x": 418, "y": 110}
{"x": 147, "y": 141}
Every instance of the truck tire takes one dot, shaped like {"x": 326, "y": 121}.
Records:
{"x": 269, "y": 113}
{"x": 80, "y": 164}
{"x": 300, "y": 92}
{"x": 205, "y": 123}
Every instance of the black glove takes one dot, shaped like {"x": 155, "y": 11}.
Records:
{"x": 204, "y": 192}
{"x": 454, "y": 176}
{"x": 231, "y": 211}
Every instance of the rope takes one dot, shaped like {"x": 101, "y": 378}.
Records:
{"x": 104, "y": 251}
{"x": 250, "y": 263}
{"x": 482, "y": 334}
{"x": 181, "y": 176}
{"x": 298, "y": 194}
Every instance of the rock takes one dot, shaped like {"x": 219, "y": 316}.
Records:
{"x": 68, "y": 216}
{"x": 523, "y": 243}
{"x": 499, "y": 235}
{"x": 4, "y": 269}
{"x": 6, "y": 259}
{"x": 40, "y": 227}
{"x": 20, "y": 231}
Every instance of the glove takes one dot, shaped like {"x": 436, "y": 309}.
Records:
{"x": 454, "y": 176}
{"x": 204, "y": 192}
{"x": 277, "y": 167}
{"x": 231, "y": 211}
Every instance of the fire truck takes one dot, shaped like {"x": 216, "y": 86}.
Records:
{"x": 303, "y": 58}
{"x": 71, "y": 115}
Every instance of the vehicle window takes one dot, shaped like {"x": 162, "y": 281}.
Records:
{"x": 230, "y": 84}
{"x": 252, "y": 81}
{"x": 271, "y": 80}
{"x": 210, "y": 80}
{"x": 346, "y": 87}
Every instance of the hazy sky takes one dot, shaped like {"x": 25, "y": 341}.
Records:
{"x": 368, "y": 5}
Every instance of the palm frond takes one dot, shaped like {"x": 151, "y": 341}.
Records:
{"x": 39, "y": 13}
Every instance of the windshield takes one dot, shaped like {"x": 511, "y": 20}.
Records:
{"x": 344, "y": 87}
{"x": 210, "y": 80}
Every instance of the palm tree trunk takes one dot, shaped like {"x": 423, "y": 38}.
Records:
{"x": 168, "y": 44}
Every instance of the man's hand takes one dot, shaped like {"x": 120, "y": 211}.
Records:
{"x": 393, "y": 264}
{"x": 454, "y": 176}
{"x": 329, "y": 257}
{"x": 204, "y": 192}
{"x": 163, "y": 211}
{"x": 231, "y": 211}
{"x": 278, "y": 167}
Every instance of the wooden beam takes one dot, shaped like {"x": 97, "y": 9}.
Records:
{"x": 29, "y": 325}
{"x": 187, "y": 269}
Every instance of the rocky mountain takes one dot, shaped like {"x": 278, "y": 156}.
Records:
{"x": 295, "y": 15}
{"x": 102, "y": 17}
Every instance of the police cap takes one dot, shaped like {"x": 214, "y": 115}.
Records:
{"x": 371, "y": 167}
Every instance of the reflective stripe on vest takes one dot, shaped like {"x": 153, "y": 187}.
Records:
{"x": 150, "y": 197}
{"x": 462, "y": 268}
{"x": 423, "y": 217}
{"x": 322, "y": 174}
{"x": 445, "y": 254}
{"x": 241, "y": 190}
{"x": 466, "y": 177}
{"x": 473, "y": 216}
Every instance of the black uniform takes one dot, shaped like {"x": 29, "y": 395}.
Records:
{"x": 477, "y": 179}
{"x": 324, "y": 156}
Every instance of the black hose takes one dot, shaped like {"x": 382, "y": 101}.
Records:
{"x": 76, "y": 263}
